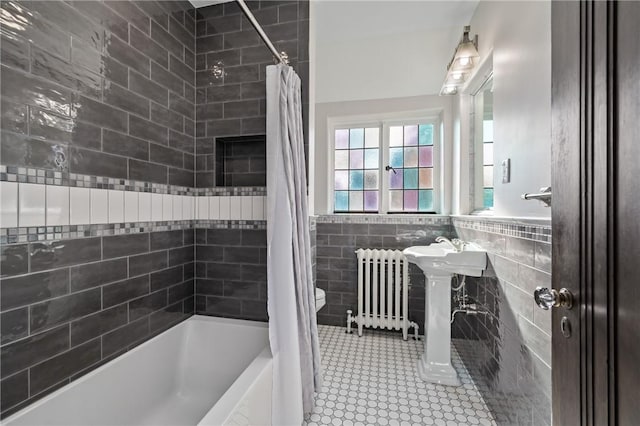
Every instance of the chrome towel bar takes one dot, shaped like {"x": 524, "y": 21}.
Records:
{"x": 544, "y": 195}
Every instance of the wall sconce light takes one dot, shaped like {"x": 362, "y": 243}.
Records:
{"x": 464, "y": 59}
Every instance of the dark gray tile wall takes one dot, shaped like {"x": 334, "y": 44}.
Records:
{"x": 231, "y": 273}
{"x": 100, "y": 88}
{"x": 336, "y": 264}
{"x": 511, "y": 356}
{"x": 236, "y": 104}
{"x": 80, "y": 302}
{"x": 103, "y": 89}
{"x": 241, "y": 161}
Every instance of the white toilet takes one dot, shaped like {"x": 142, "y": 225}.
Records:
{"x": 320, "y": 298}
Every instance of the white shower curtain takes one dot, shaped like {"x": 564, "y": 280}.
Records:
{"x": 293, "y": 332}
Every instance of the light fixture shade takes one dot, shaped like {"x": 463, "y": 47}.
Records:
{"x": 464, "y": 59}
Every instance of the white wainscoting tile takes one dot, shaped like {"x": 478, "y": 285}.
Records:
{"x": 235, "y": 207}
{"x": 214, "y": 207}
{"x": 246, "y": 207}
{"x": 79, "y": 206}
{"x": 57, "y": 205}
{"x": 144, "y": 206}
{"x": 99, "y": 206}
{"x": 225, "y": 201}
{"x": 156, "y": 207}
{"x": 8, "y": 204}
{"x": 176, "y": 202}
{"x": 257, "y": 204}
{"x": 202, "y": 208}
{"x": 32, "y": 200}
{"x": 167, "y": 207}
{"x": 116, "y": 206}
{"x": 130, "y": 206}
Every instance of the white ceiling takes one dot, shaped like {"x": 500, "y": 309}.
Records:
{"x": 203, "y": 3}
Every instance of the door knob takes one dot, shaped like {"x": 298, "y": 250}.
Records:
{"x": 550, "y": 298}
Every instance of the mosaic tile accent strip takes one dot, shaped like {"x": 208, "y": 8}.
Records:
{"x": 400, "y": 219}
{"x": 231, "y": 191}
{"x": 230, "y": 224}
{"x": 49, "y": 177}
{"x": 68, "y": 232}
{"x": 520, "y": 228}
{"x": 373, "y": 379}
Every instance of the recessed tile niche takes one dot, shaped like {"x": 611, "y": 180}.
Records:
{"x": 241, "y": 161}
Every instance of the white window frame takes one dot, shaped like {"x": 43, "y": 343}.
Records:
{"x": 384, "y": 123}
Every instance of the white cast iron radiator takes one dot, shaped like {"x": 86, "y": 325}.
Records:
{"x": 383, "y": 292}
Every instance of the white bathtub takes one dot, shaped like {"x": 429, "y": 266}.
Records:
{"x": 204, "y": 371}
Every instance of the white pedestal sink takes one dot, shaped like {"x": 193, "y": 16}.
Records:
{"x": 439, "y": 261}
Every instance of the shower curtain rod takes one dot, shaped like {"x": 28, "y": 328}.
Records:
{"x": 260, "y": 31}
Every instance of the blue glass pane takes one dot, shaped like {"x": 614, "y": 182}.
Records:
{"x": 356, "y": 138}
{"x": 425, "y": 203}
{"x": 396, "y": 157}
{"x": 410, "y": 178}
{"x": 425, "y": 136}
{"x": 341, "y": 201}
{"x": 371, "y": 158}
{"x": 356, "y": 179}
{"x": 487, "y": 198}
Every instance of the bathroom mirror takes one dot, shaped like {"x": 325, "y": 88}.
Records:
{"x": 482, "y": 147}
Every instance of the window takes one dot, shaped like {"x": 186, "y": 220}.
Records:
{"x": 385, "y": 167}
{"x": 483, "y": 146}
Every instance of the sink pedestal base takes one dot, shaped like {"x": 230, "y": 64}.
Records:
{"x": 435, "y": 364}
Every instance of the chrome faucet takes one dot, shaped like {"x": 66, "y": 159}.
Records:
{"x": 457, "y": 244}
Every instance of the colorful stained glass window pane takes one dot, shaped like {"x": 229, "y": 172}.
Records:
{"x": 356, "y": 160}
{"x": 411, "y": 157}
{"x": 371, "y": 179}
{"x": 410, "y": 200}
{"x": 410, "y": 135}
{"x": 341, "y": 202}
{"x": 487, "y": 198}
{"x": 410, "y": 178}
{"x": 425, "y": 179}
{"x": 342, "y": 159}
{"x": 372, "y": 137}
{"x": 488, "y": 176}
{"x": 396, "y": 157}
{"x": 356, "y": 179}
{"x": 355, "y": 201}
{"x": 396, "y": 179}
{"x": 371, "y": 200}
{"x": 342, "y": 179}
{"x": 395, "y": 136}
{"x": 425, "y": 200}
{"x": 371, "y": 158}
{"x": 356, "y": 138}
{"x": 487, "y": 154}
{"x": 426, "y": 156}
{"x": 342, "y": 139}
{"x": 396, "y": 199}
{"x": 425, "y": 134}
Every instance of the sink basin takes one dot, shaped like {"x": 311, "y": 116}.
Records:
{"x": 439, "y": 261}
{"x": 442, "y": 258}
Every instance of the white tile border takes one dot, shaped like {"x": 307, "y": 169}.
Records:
{"x": 29, "y": 205}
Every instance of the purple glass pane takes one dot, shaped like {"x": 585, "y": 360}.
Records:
{"x": 426, "y": 156}
{"x": 410, "y": 135}
{"x": 396, "y": 180}
{"x": 410, "y": 200}
{"x": 342, "y": 139}
{"x": 371, "y": 200}
{"x": 342, "y": 180}
{"x": 356, "y": 160}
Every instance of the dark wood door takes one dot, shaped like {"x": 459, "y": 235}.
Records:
{"x": 596, "y": 211}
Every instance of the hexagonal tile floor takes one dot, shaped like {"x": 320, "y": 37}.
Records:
{"x": 373, "y": 380}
